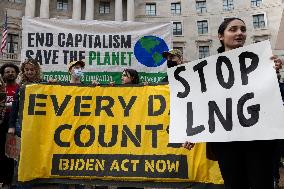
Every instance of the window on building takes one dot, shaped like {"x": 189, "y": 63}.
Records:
{"x": 202, "y": 27}
{"x": 203, "y": 51}
{"x": 12, "y": 43}
{"x": 104, "y": 7}
{"x": 258, "y": 21}
{"x": 256, "y": 3}
{"x": 62, "y": 4}
{"x": 176, "y": 8}
{"x": 177, "y": 28}
{"x": 257, "y": 39}
{"x": 201, "y": 6}
{"x": 151, "y": 9}
{"x": 16, "y": 1}
{"x": 228, "y": 5}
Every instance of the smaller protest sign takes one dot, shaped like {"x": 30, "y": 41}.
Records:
{"x": 13, "y": 146}
{"x": 233, "y": 96}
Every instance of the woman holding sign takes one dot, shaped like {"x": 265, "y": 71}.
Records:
{"x": 243, "y": 164}
{"x": 30, "y": 73}
{"x": 128, "y": 77}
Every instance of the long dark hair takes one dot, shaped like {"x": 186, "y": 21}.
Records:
{"x": 134, "y": 74}
{"x": 221, "y": 30}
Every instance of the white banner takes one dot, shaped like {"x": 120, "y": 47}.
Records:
{"x": 233, "y": 96}
{"x": 107, "y": 47}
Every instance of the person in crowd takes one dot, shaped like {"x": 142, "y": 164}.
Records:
{"x": 243, "y": 164}
{"x": 75, "y": 69}
{"x": 279, "y": 143}
{"x": 174, "y": 57}
{"x": 130, "y": 76}
{"x": 9, "y": 72}
{"x": 30, "y": 72}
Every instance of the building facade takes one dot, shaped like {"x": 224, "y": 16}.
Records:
{"x": 279, "y": 46}
{"x": 195, "y": 22}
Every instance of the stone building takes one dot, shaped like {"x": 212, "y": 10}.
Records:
{"x": 279, "y": 46}
{"x": 195, "y": 22}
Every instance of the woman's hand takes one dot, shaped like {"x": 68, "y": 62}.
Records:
{"x": 11, "y": 131}
{"x": 52, "y": 81}
{"x": 277, "y": 63}
{"x": 112, "y": 83}
{"x": 188, "y": 145}
{"x": 95, "y": 83}
{"x": 8, "y": 104}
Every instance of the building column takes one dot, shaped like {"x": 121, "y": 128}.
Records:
{"x": 76, "y": 13}
{"x": 44, "y": 9}
{"x": 118, "y": 10}
{"x": 130, "y": 10}
{"x": 30, "y": 8}
{"x": 89, "y": 10}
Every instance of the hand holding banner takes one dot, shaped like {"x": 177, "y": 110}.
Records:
{"x": 13, "y": 146}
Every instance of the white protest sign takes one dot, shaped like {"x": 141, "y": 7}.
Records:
{"x": 108, "y": 47}
{"x": 233, "y": 96}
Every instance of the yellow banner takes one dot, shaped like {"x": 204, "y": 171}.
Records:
{"x": 109, "y": 133}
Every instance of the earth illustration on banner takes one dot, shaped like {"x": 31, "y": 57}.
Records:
{"x": 148, "y": 51}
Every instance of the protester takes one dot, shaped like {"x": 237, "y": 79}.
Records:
{"x": 129, "y": 76}
{"x": 30, "y": 72}
{"x": 9, "y": 72}
{"x": 243, "y": 164}
{"x": 174, "y": 58}
{"x": 75, "y": 69}
{"x": 279, "y": 144}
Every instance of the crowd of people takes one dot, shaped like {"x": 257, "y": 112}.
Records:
{"x": 243, "y": 165}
